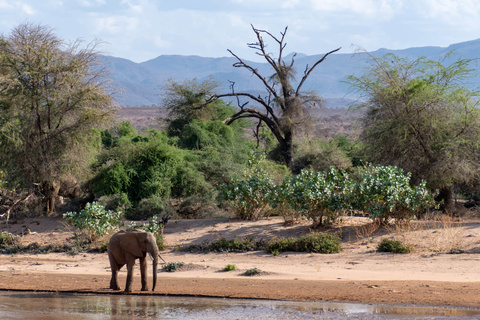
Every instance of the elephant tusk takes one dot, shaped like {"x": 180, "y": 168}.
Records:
{"x": 151, "y": 257}
{"x": 162, "y": 258}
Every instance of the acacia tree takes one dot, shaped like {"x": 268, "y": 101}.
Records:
{"x": 51, "y": 95}
{"x": 283, "y": 107}
{"x": 420, "y": 116}
{"x": 185, "y": 103}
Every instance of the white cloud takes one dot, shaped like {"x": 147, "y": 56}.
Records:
{"x": 136, "y": 6}
{"x": 23, "y": 6}
{"x": 5, "y": 4}
{"x": 464, "y": 14}
{"x": 366, "y": 8}
{"x": 236, "y": 20}
{"x": 143, "y": 29}
{"x": 92, "y": 3}
{"x": 27, "y": 9}
{"x": 161, "y": 43}
{"x": 118, "y": 25}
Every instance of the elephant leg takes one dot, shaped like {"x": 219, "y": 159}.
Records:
{"x": 130, "y": 265}
{"x": 143, "y": 273}
{"x": 114, "y": 268}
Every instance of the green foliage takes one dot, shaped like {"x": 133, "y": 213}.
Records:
{"x": 94, "y": 220}
{"x": 172, "y": 266}
{"x": 2, "y": 174}
{"x": 122, "y": 132}
{"x": 8, "y": 240}
{"x": 383, "y": 192}
{"x": 386, "y": 192}
{"x": 219, "y": 164}
{"x": 148, "y": 166}
{"x": 197, "y": 207}
{"x": 319, "y": 196}
{"x": 196, "y": 154}
{"x": 252, "y": 272}
{"x": 186, "y": 101}
{"x": 51, "y": 99}
{"x": 118, "y": 201}
{"x": 250, "y": 195}
{"x": 394, "y": 246}
{"x": 151, "y": 207}
{"x": 198, "y": 135}
{"x": 230, "y": 267}
{"x": 315, "y": 242}
{"x": 320, "y": 154}
{"x": 224, "y": 245}
{"x": 420, "y": 116}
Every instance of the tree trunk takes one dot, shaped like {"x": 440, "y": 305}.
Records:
{"x": 287, "y": 150}
{"x": 446, "y": 195}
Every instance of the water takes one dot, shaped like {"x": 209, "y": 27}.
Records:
{"x": 56, "y": 306}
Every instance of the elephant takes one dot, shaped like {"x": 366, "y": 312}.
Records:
{"x": 127, "y": 246}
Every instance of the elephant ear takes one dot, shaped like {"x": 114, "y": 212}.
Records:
{"x": 134, "y": 244}
{"x": 143, "y": 242}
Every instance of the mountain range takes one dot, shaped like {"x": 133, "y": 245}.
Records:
{"x": 140, "y": 84}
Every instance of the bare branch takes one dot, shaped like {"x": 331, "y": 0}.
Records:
{"x": 308, "y": 71}
{"x": 7, "y": 213}
{"x": 255, "y": 132}
{"x": 253, "y": 113}
{"x": 242, "y": 64}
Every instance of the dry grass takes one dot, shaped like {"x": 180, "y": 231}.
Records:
{"x": 441, "y": 234}
{"x": 365, "y": 231}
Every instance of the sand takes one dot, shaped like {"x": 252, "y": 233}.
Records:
{"x": 428, "y": 276}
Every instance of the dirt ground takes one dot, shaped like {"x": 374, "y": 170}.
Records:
{"x": 431, "y": 275}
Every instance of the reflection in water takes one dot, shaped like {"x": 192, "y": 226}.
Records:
{"x": 19, "y": 305}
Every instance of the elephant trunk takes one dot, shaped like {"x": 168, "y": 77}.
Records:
{"x": 155, "y": 266}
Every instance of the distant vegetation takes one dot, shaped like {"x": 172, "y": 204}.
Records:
{"x": 61, "y": 152}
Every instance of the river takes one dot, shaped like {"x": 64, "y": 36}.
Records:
{"x": 61, "y": 306}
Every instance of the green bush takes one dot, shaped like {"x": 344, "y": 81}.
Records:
{"x": 94, "y": 220}
{"x": 385, "y": 192}
{"x": 230, "y": 267}
{"x": 145, "y": 166}
{"x": 116, "y": 202}
{"x": 250, "y": 195}
{"x": 394, "y": 246}
{"x": 321, "y": 154}
{"x": 224, "y": 245}
{"x": 153, "y": 206}
{"x": 8, "y": 240}
{"x": 196, "y": 207}
{"x": 234, "y": 245}
{"x": 319, "y": 196}
{"x": 381, "y": 192}
{"x": 315, "y": 242}
{"x": 252, "y": 272}
{"x": 172, "y": 266}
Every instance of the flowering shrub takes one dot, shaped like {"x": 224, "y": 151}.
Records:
{"x": 250, "y": 195}
{"x": 382, "y": 192}
{"x": 320, "y": 196}
{"x": 385, "y": 192}
{"x": 94, "y": 220}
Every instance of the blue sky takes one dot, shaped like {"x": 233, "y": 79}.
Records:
{"x": 140, "y": 30}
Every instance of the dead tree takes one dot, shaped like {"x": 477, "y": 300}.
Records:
{"x": 284, "y": 104}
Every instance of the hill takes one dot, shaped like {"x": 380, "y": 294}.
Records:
{"x": 140, "y": 84}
